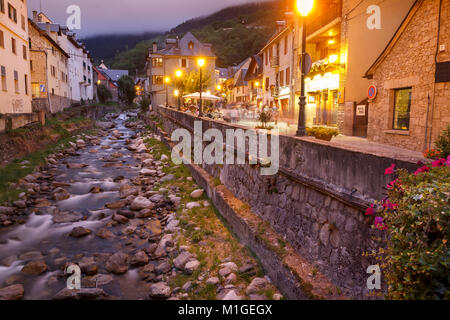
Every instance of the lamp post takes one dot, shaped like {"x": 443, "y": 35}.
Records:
{"x": 303, "y": 8}
{"x": 178, "y": 75}
{"x": 167, "y": 81}
{"x": 201, "y": 63}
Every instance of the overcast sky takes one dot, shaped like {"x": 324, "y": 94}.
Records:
{"x": 125, "y": 16}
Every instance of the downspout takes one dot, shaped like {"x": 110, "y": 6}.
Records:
{"x": 434, "y": 82}
{"x": 46, "y": 78}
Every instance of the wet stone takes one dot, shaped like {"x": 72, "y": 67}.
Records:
{"x": 79, "y": 232}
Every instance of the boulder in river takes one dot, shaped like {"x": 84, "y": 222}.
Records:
{"x": 117, "y": 263}
{"x": 34, "y": 268}
{"x": 79, "y": 232}
{"x": 14, "y": 292}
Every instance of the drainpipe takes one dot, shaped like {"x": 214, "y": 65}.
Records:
{"x": 434, "y": 82}
{"x": 46, "y": 77}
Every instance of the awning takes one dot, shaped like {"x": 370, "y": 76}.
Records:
{"x": 205, "y": 96}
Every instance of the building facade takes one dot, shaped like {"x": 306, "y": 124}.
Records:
{"x": 278, "y": 63}
{"x": 254, "y": 78}
{"x": 412, "y": 80}
{"x": 15, "y": 79}
{"x": 49, "y": 71}
{"x": 178, "y": 54}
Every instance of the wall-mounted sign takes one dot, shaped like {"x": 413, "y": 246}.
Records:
{"x": 311, "y": 99}
{"x": 361, "y": 110}
{"x": 42, "y": 88}
{"x": 372, "y": 92}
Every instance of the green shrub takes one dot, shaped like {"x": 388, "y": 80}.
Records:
{"x": 322, "y": 132}
{"x": 443, "y": 143}
{"x": 145, "y": 102}
{"x": 264, "y": 117}
{"x": 103, "y": 93}
{"x": 416, "y": 216}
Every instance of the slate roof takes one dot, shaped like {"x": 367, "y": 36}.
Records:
{"x": 113, "y": 74}
{"x": 181, "y": 47}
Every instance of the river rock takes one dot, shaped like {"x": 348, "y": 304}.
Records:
{"x": 34, "y": 268}
{"x": 182, "y": 259}
{"x": 60, "y": 194}
{"x": 79, "y": 232}
{"x": 14, "y": 292}
{"x": 148, "y": 172}
{"x": 21, "y": 204}
{"x": 197, "y": 193}
{"x": 7, "y": 211}
{"x": 117, "y": 263}
{"x": 192, "y": 205}
{"x": 139, "y": 259}
{"x": 163, "y": 267}
{"x": 105, "y": 234}
{"x": 116, "y": 205}
{"x": 160, "y": 290}
{"x": 191, "y": 266}
{"x": 140, "y": 203}
{"x": 231, "y": 295}
{"x": 82, "y": 294}
{"x": 119, "y": 218}
{"x": 256, "y": 285}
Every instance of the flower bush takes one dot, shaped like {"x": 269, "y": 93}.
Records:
{"x": 322, "y": 133}
{"x": 415, "y": 216}
{"x": 443, "y": 143}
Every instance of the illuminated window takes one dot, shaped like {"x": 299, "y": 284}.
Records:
{"x": 157, "y": 62}
{"x": 402, "y": 108}
{"x": 191, "y": 45}
{"x": 3, "y": 75}
{"x": 158, "y": 80}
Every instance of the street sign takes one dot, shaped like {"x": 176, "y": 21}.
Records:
{"x": 372, "y": 92}
{"x": 42, "y": 88}
{"x": 308, "y": 63}
{"x": 361, "y": 110}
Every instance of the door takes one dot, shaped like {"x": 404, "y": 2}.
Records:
{"x": 361, "y": 119}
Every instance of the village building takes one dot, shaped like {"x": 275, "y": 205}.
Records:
{"x": 15, "y": 80}
{"x": 49, "y": 70}
{"x": 411, "y": 80}
{"x": 109, "y": 78}
{"x": 278, "y": 64}
{"x": 240, "y": 92}
{"x": 178, "y": 55}
{"x": 254, "y": 78}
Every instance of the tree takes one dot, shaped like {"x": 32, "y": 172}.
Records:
{"x": 190, "y": 82}
{"x": 103, "y": 93}
{"x": 127, "y": 90}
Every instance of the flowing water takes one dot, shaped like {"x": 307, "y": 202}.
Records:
{"x": 40, "y": 238}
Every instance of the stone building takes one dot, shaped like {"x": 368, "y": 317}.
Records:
{"x": 49, "y": 70}
{"x": 411, "y": 75}
{"x": 15, "y": 81}
{"x": 178, "y": 54}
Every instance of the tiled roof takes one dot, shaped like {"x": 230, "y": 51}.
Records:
{"x": 181, "y": 47}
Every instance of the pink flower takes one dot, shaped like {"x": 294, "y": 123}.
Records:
{"x": 422, "y": 170}
{"x": 392, "y": 184}
{"x": 370, "y": 211}
{"x": 439, "y": 163}
{"x": 390, "y": 170}
{"x": 379, "y": 223}
{"x": 389, "y": 205}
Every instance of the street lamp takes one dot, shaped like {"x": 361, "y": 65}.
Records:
{"x": 167, "y": 81}
{"x": 304, "y": 7}
{"x": 201, "y": 63}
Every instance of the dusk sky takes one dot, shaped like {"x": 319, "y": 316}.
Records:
{"x": 125, "y": 16}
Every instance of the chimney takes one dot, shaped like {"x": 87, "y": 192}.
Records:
{"x": 155, "y": 47}
{"x": 35, "y": 16}
{"x": 47, "y": 27}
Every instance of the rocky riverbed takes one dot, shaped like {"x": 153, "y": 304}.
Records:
{"x": 136, "y": 225}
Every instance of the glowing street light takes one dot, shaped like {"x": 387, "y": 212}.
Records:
{"x": 167, "y": 81}
{"x": 176, "y": 93}
{"x": 201, "y": 64}
{"x": 178, "y": 73}
{"x": 304, "y": 7}
{"x": 219, "y": 87}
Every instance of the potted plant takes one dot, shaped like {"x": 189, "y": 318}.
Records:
{"x": 322, "y": 133}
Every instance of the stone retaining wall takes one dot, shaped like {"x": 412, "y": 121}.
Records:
{"x": 316, "y": 202}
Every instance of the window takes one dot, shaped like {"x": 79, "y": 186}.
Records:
{"x": 24, "y": 52}
{"x": 16, "y": 81}
{"x": 53, "y": 91}
{"x": 282, "y": 78}
{"x": 26, "y": 84}
{"x": 12, "y": 13}
{"x": 266, "y": 54}
{"x": 31, "y": 65}
{"x": 36, "y": 90}
{"x": 191, "y": 45}
{"x": 2, "y": 40}
{"x": 157, "y": 62}
{"x": 3, "y": 75}
{"x": 402, "y": 108}
{"x": 158, "y": 80}
{"x": 13, "y": 45}
{"x": 22, "y": 20}
{"x": 2, "y": 6}
{"x": 288, "y": 76}
{"x": 183, "y": 63}
{"x": 267, "y": 84}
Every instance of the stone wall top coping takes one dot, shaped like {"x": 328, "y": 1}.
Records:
{"x": 362, "y": 147}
